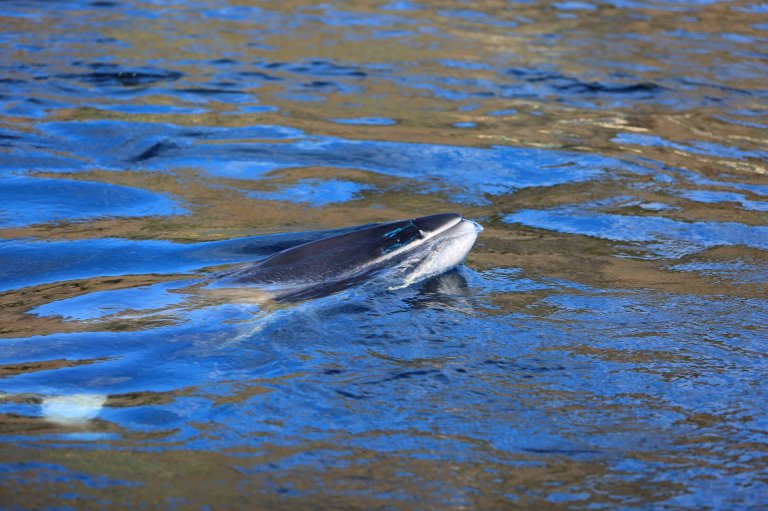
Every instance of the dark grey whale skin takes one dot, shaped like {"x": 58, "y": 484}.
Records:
{"x": 331, "y": 264}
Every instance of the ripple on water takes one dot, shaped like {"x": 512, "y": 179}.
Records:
{"x": 26, "y": 200}
{"x": 115, "y": 145}
{"x": 603, "y": 348}
{"x": 315, "y": 192}
{"x": 663, "y": 236}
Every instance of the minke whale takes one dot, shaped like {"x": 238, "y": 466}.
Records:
{"x": 401, "y": 252}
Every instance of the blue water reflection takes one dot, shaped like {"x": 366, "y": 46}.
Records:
{"x": 367, "y": 121}
{"x": 315, "y": 192}
{"x": 31, "y": 262}
{"x": 103, "y": 303}
{"x": 697, "y": 147}
{"x": 167, "y": 147}
{"x": 29, "y": 200}
{"x": 603, "y": 347}
{"x": 664, "y": 236}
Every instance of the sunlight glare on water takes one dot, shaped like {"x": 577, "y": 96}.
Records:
{"x": 603, "y": 347}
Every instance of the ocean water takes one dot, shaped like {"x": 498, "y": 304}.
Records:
{"x": 603, "y": 346}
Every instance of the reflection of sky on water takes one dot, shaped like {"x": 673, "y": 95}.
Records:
{"x": 664, "y": 236}
{"x": 696, "y": 147}
{"x": 315, "y": 192}
{"x": 33, "y": 262}
{"x": 465, "y": 372}
{"x": 29, "y": 200}
{"x": 103, "y": 303}
{"x": 367, "y": 121}
{"x": 714, "y": 197}
{"x": 738, "y": 271}
{"x": 221, "y": 152}
{"x": 603, "y": 348}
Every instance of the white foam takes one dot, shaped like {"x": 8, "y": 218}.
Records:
{"x": 72, "y": 409}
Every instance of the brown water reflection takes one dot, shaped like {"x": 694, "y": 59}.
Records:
{"x": 666, "y": 102}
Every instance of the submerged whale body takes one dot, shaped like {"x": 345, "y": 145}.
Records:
{"x": 403, "y": 252}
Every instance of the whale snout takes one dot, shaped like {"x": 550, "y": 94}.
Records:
{"x": 444, "y": 249}
{"x": 464, "y": 228}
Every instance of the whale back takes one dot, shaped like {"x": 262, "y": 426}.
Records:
{"x": 351, "y": 256}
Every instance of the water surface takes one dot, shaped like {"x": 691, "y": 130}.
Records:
{"x": 604, "y": 346}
